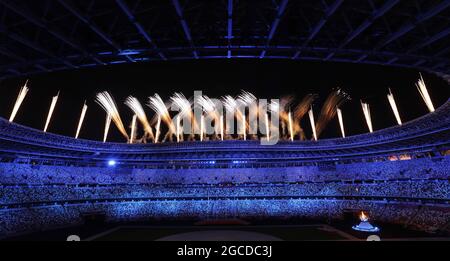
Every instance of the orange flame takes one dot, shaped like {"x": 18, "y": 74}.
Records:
{"x": 363, "y": 217}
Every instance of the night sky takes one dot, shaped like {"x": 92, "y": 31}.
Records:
{"x": 264, "y": 78}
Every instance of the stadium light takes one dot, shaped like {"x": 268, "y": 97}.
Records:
{"x": 112, "y": 163}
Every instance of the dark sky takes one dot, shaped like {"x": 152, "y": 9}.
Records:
{"x": 264, "y": 78}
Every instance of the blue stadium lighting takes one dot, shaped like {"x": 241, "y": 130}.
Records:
{"x": 112, "y": 163}
{"x": 239, "y": 161}
{"x": 129, "y": 52}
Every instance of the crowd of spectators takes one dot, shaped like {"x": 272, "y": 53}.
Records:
{"x": 412, "y": 190}
{"x": 414, "y": 193}
{"x": 414, "y": 216}
{"x": 421, "y": 168}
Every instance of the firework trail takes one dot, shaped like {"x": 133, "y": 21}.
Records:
{"x": 422, "y": 88}
{"x": 209, "y": 107}
{"x": 138, "y": 110}
{"x": 178, "y": 128}
{"x": 300, "y": 111}
{"x": 231, "y": 105}
{"x": 313, "y": 125}
{"x": 244, "y": 100}
{"x": 367, "y": 116}
{"x": 266, "y": 118}
{"x": 133, "y": 129}
{"x": 286, "y": 117}
{"x": 51, "y": 110}
{"x": 341, "y": 122}
{"x": 184, "y": 106}
{"x": 80, "y": 122}
{"x": 106, "y": 101}
{"x": 333, "y": 101}
{"x": 303, "y": 107}
{"x": 158, "y": 129}
{"x": 160, "y": 108}
{"x": 221, "y": 127}
{"x": 107, "y": 125}
{"x": 394, "y": 108}
{"x": 20, "y": 97}
{"x": 291, "y": 127}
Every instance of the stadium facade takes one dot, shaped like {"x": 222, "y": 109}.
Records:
{"x": 398, "y": 175}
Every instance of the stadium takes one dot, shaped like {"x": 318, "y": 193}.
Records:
{"x": 166, "y": 184}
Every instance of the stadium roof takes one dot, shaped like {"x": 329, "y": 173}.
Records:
{"x": 51, "y": 35}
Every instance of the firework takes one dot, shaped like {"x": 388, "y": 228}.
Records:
{"x": 341, "y": 122}
{"x": 22, "y": 94}
{"x": 367, "y": 116}
{"x": 230, "y": 105}
{"x": 158, "y": 129}
{"x": 313, "y": 125}
{"x": 300, "y": 111}
{"x": 266, "y": 117}
{"x": 107, "y": 125}
{"x": 247, "y": 99}
{"x": 136, "y": 107}
{"x": 304, "y": 105}
{"x": 202, "y": 127}
{"x": 133, "y": 129}
{"x": 333, "y": 101}
{"x": 178, "y": 128}
{"x": 274, "y": 108}
{"x": 221, "y": 127}
{"x": 158, "y": 105}
{"x": 394, "y": 107}
{"x": 210, "y": 108}
{"x": 50, "y": 111}
{"x": 422, "y": 88}
{"x": 80, "y": 122}
{"x": 206, "y": 103}
{"x": 291, "y": 128}
{"x": 106, "y": 101}
{"x": 180, "y": 102}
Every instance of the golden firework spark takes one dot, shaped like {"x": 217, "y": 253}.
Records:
{"x": 50, "y": 111}
{"x": 160, "y": 108}
{"x": 209, "y": 107}
{"x": 184, "y": 106}
{"x": 422, "y": 88}
{"x": 341, "y": 121}
{"x": 202, "y": 127}
{"x": 291, "y": 127}
{"x": 394, "y": 108}
{"x": 304, "y": 105}
{"x": 300, "y": 111}
{"x": 133, "y": 128}
{"x": 107, "y": 126}
{"x": 178, "y": 128}
{"x": 158, "y": 128}
{"x": 106, "y": 101}
{"x": 20, "y": 97}
{"x": 367, "y": 116}
{"x": 333, "y": 101}
{"x": 266, "y": 117}
{"x": 80, "y": 122}
{"x": 246, "y": 99}
{"x": 221, "y": 127}
{"x": 134, "y": 104}
{"x": 313, "y": 125}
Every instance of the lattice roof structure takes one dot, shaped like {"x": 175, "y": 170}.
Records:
{"x": 51, "y": 35}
